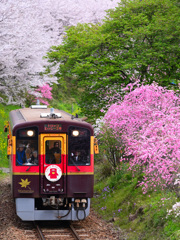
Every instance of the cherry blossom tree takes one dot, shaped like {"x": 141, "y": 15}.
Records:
{"x": 28, "y": 30}
{"x": 148, "y": 121}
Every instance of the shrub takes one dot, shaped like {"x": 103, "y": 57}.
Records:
{"x": 147, "y": 121}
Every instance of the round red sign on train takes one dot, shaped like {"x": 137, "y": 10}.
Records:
{"x": 53, "y": 173}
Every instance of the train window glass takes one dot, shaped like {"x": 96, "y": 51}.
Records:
{"x": 79, "y": 146}
{"x": 27, "y": 146}
{"x": 53, "y": 152}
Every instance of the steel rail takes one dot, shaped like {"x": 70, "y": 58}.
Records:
{"x": 40, "y": 233}
{"x": 42, "y": 237}
{"x": 74, "y": 232}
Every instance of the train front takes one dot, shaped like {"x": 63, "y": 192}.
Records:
{"x": 55, "y": 179}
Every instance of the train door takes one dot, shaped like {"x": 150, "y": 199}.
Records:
{"x": 53, "y": 163}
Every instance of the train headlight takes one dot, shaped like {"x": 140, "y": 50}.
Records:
{"x": 30, "y": 133}
{"x": 75, "y": 133}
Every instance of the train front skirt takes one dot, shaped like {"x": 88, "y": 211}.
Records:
{"x": 25, "y": 209}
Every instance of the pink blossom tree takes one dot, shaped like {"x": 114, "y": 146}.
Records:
{"x": 42, "y": 93}
{"x": 148, "y": 121}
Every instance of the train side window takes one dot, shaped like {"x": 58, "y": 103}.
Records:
{"x": 27, "y": 146}
{"x": 53, "y": 152}
{"x": 79, "y": 146}
{"x": 21, "y": 158}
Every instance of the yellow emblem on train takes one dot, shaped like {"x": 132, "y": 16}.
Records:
{"x": 24, "y": 183}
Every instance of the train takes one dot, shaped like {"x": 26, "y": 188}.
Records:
{"x": 51, "y": 155}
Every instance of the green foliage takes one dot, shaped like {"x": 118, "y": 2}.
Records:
{"x": 138, "y": 39}
{"x": 103, "y": 170}
{"x": 112, "y": 149}
{"x": 2, "y": 175}
{"x": 4, "y": 117}
{"x": 69, "y": 106}
{"x": 63, "y": 100}
{"x": 172, "y": 229}
{"x": 118, "y": 198}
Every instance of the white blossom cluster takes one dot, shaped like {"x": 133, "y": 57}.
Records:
{"x": 28, "y": 29}
{"x": 176, "y": 207}
{"x": 177, "y": 180}
{"x": 175, "y": 210}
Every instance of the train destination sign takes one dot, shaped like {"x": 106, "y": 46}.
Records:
{"x": 52, "y": 127}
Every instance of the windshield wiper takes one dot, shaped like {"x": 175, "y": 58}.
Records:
{"x": 75, "y": 165}
{"x": 28, "y": 168}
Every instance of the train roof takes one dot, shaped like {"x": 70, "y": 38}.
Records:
{"x": 30, "y": 115}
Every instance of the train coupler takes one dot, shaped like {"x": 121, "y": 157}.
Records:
{"x": 80, "y": 203}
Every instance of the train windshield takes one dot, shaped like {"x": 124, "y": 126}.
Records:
{"x": 53, "y": 152}
{"x": 79, "y": 146}
{"x": 27, "y": 146}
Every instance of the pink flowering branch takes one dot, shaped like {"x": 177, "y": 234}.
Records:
{"x": 43, "y": 93}
{"x": 148, "y": 120}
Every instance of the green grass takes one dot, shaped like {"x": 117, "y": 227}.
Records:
{"x": 71, "y": 108}
{"x": 66, "y": 103}
{"x": 118, "y": 197}
{"x": 2, "y": 175}
{"x": 4, "y": 116}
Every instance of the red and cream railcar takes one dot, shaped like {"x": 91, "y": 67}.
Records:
{"x": 52, "y": 164}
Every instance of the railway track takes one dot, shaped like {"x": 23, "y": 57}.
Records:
{"x": 58, "y": 231}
